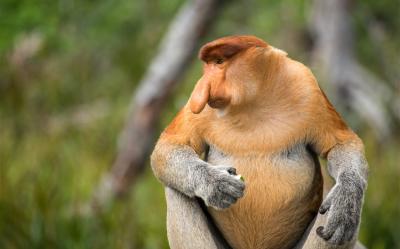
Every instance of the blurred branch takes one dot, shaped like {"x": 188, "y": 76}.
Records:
{"x": 379, "y": 36}
{"x": 79, "y": 117}
{"x": 352, "y": 83}
{"x": 177, "y": 49}
{"x": 26, "y": 47}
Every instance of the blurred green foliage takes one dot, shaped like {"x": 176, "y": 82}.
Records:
{"x": 67, "y": 73}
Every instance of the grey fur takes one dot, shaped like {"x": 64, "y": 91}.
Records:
{"x": 190, "y": 175}
{"x": 344, "y": 202}
{"x": 188, "y": 226}
{"x": 187, "y": 176}
{"x": 311, "y": 240}
{"x": 216, "y": 157}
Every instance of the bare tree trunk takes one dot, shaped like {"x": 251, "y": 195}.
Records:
{"x": 353, "y": 84}
{"x": 177, "y": 49}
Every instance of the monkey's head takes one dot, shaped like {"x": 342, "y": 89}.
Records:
{"x": 234, "y": 72}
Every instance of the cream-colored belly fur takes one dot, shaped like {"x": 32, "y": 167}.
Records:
{"x": 283, "y": 193}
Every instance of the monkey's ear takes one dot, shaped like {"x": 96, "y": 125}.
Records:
{"x": 226, "y": 47}
{"x": 200, "y": 95}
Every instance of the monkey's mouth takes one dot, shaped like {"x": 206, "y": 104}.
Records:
{"x": 218, "y": 103}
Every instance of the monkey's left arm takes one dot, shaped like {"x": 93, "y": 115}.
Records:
{"x": 347, "y": 165}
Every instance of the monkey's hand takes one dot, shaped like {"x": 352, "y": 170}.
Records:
{"x": 218, "y": 186}
{"x": 343, "y": 205}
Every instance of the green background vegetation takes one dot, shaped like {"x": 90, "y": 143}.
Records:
{"x": 62, "y": 110}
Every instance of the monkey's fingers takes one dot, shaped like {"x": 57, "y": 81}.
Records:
{"x": 339, "y": 236}
{"x": 327, "y": 203}
{"x": 232, "y": 186}
{"x": 232, "y": 181}
{"x": 339, "y": 227}
{"x": 323, "y": 233}
{"x": 233, "y": 191}
{"x": 325, "y": 206}
{"x": 326, "y": 232}
{"x": 221, "y": 200}
{"x": 228, "y": 200}
{"x": 223, "y": 204}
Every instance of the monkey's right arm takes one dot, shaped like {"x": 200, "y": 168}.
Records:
{"x": 176, "y": 163}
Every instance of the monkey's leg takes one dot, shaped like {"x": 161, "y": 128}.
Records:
{"x": 311, "y": 240}
{"x": 188, "y": 227}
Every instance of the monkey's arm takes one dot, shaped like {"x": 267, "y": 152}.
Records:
{"x": 176, "y": 163}
{"x": 336, "y": 226}
{"x": 347, "y": 165}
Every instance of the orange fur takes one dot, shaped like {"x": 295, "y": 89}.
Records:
{"x": 274, "y": 104}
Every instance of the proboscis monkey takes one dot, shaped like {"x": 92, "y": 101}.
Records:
{"x": 258, "y": 113}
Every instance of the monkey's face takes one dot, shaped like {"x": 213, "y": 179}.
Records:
{"x": 233, "y": 73}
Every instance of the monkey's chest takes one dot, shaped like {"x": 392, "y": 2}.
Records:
{"x": 282, "y": 195}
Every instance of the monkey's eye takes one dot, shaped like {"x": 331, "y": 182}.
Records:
{"x": 219, "y": 61}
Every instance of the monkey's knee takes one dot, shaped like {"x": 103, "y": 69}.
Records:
{"x": 187, "y": 224}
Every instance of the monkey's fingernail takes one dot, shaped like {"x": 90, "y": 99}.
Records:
{"x": 322, "y": 209}
{"x": 319, "y": 231}
{"x": 232, "y": 171}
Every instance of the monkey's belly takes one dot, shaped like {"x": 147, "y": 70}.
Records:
{"x": 281, "y": 199}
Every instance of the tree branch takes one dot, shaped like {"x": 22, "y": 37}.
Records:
{"x": 177, "y": 49}
{"x": 352, "y": 83}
